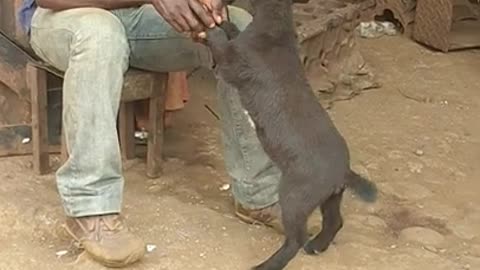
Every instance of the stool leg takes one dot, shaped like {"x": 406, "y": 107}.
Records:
{"x": 155, "y": 132}
{"x": 37, "y": 84}
{"x": 127, "y": 130}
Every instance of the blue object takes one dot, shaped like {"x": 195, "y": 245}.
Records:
{"x": 25, "y": 14}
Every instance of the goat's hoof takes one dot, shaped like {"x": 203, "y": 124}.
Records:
{"x": 262, "y": 267}
{"x": 259, "y": 267}
{"x": 309, "y": 250}
{"x": 314, "y": 248}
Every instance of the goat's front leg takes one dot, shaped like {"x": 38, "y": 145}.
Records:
{"x": 217, "y": 41}
{"x": 230, "y": 29}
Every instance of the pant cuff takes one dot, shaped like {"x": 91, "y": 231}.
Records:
{"x": 109, "y": 201}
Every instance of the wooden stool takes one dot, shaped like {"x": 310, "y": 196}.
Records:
{"x": 138, "y": 85}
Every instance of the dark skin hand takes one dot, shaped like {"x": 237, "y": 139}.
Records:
{"x": 218, "y": 11}
{"x": 216, "y": 8}
{"x": 184, "y": 15}
{"x": 191, "y": 16}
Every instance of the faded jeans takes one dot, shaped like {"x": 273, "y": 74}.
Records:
{"x": 95, "y": 47}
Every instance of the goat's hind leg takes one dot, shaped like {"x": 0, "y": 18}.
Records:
{"x": 296, "y": 208}
{"x": 296, "y": 236}
{"x": 332, "y": 222}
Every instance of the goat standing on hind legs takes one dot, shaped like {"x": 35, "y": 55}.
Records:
{"x": 298, "y": 135}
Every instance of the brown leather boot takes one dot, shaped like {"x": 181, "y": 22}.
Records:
{"x": 106, "y": 239}
{"x": 270, "y": 216}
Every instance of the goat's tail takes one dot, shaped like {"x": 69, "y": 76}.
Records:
{"x": 364, "y": 188}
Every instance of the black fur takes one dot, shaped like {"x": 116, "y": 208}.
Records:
{"x": 295, "y": 131}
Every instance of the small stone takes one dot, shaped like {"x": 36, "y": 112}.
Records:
{"x": 422, "y": 235}
{"x": 415, "y": 167}
{"x": 151, "y": 248}
{"x": 419, "y": 152}
{"x": 225, "y": 187}
{"x": 431, "y": 248}
{"x": 61, "y": 253}
{"x": 154, "y": 188}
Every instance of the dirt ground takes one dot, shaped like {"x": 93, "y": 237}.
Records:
{"x": 417, "y": 137}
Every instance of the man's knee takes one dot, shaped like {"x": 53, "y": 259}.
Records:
{"x": 240, "y": 17}
{"x": 102, "y": 33}
{"x": 94, "y": 33}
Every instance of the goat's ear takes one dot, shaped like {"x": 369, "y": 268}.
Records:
{"x": 300, "y": 1}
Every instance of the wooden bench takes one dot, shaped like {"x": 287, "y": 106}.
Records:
{"x": 138, "y": 85}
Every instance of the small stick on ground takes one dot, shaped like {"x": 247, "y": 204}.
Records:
{"x": 211, "y": 111}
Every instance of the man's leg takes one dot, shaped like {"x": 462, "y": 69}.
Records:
{"x": 91, "y": 47}
{"x": 156, "y": 46}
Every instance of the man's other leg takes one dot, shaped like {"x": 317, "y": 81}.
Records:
{"x": 157, "y": 46}
{"x": 91, "y": 47}
{"x": 255, "y": 178}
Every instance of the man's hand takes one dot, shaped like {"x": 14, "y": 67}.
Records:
{"x": 186, "y": 15}
{"x": 217, "y": 8}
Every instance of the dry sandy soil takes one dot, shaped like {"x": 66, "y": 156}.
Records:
{"x": 417, "y": 137}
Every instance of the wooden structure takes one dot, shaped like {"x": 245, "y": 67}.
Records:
{"x": 327, "y": 45}
{"x": 444, "y": 25}
{"x": 138, "y": 85}
{"x": 26, "y": 85}
{"x": 447, "y": 24}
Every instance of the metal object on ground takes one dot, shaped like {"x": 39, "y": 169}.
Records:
{"x": 402, "y": 12}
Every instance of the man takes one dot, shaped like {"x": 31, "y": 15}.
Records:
{"x": 94, "y": 42}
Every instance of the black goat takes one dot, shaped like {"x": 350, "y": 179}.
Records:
{"x": 262, "y": 63}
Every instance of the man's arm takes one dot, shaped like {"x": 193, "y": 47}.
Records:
{"x": 184, "y": 15}
{"x": 58, "y": 5}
